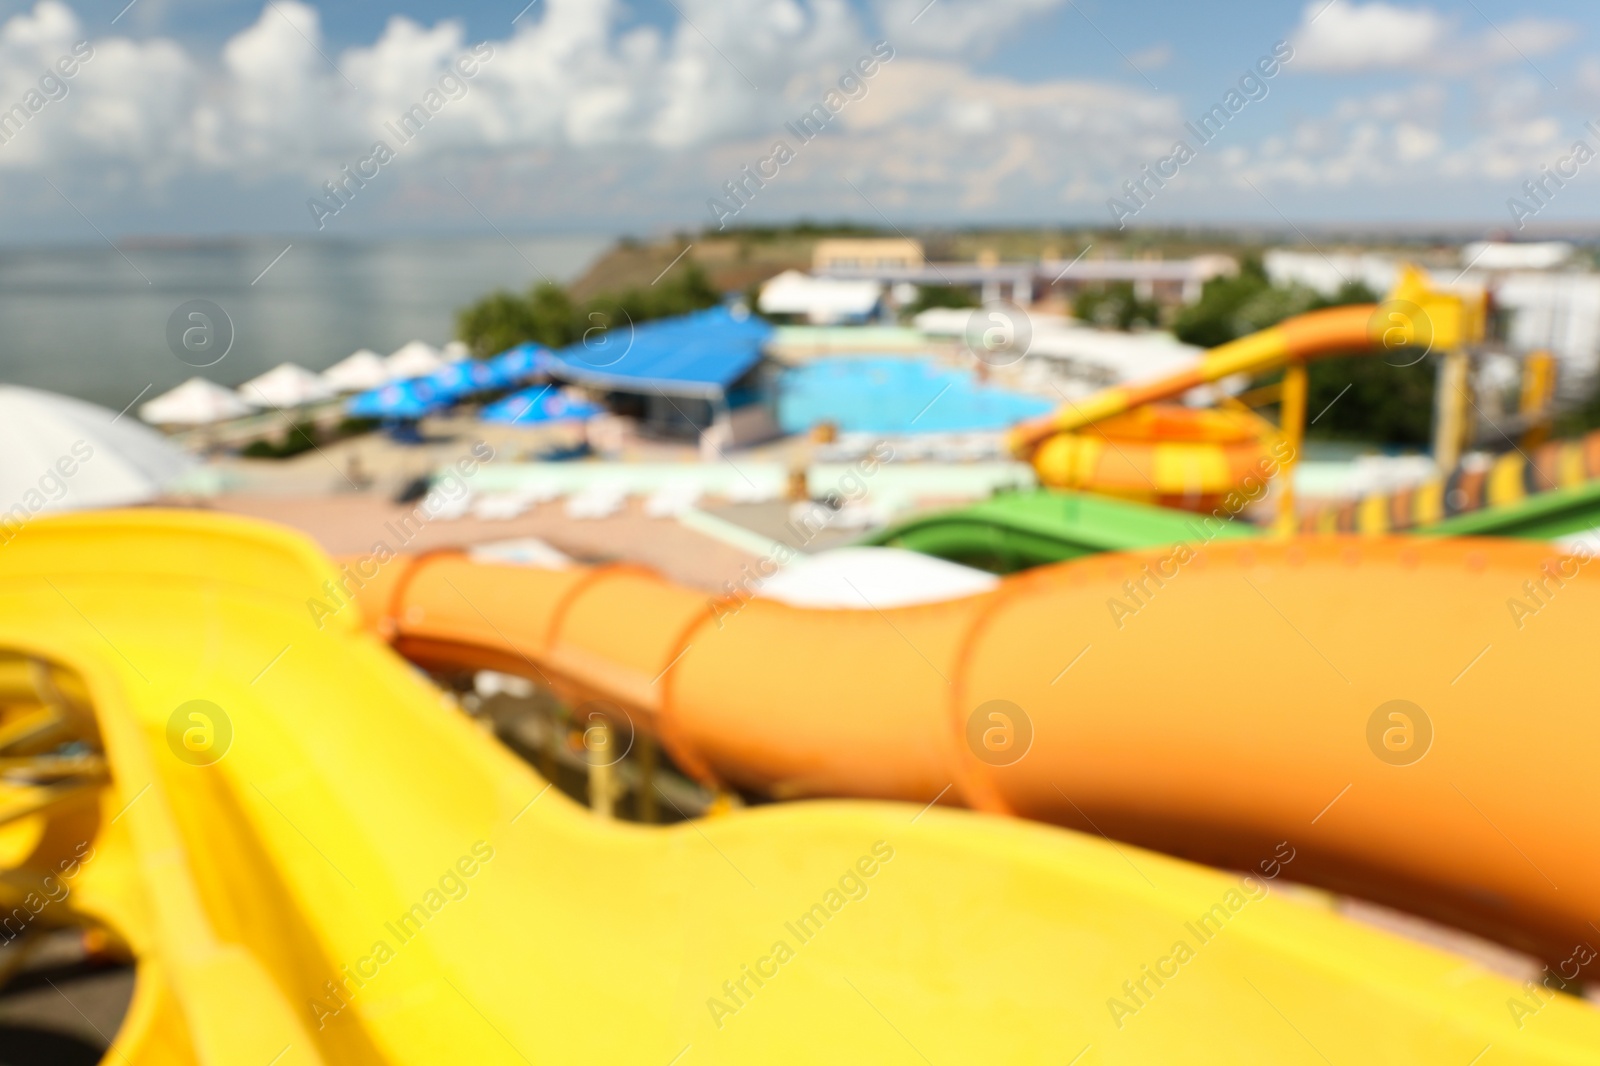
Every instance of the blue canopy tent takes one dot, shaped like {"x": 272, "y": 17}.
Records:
{"x": 676, "y": 375}
{"x": 399, "y": 401}
{"x": 465, "y": 377}
{"x": 541, "y": 404}
{"x": 522, "y": 362}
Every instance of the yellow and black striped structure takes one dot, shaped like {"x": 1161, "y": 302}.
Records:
{"x": 1471, "y": 486}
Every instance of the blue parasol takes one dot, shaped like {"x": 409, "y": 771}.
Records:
{"x": 465, "y": 377}
{"x": 401, "y": 400}
{"x": 521, "y": 362}
{"x": 542, "y": 404}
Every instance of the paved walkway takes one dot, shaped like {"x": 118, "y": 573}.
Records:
{"x": 352, "y": 523}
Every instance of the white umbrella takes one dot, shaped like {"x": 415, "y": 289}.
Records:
{"x": 455, "y": 351}
{"x": 413, "y": 360}
{"x": 197, "y": 402}
{"x": 285, "y": 385}
{"x": 358, "y": 372}
{"x": 866, "y": 578}
{"x": 62, "y": 454}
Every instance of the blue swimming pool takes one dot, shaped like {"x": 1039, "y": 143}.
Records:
{"x": 875, "y": 394}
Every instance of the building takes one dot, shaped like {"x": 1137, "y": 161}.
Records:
{"x": 701, "y": 376}
{"x": 1533, "y": 255}
{"x": 874, "y": 253}
{"x": 1163, "y": 280}
{"x": 1166, "y": 280}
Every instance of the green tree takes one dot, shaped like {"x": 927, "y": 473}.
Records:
{"x": 1271, "y": 305}
{"x": 503, "y": 320}
{"x": 1116, "y": 307}
{"x": 554, "y": 320}
{"x": 548, "y": 316}
{"x": 929, "y": 296}
{"x": 1383, "y": 399}
{"x": 499, "y": 321}
{"x": 1579, "y": 420}
{"x": 1214, "y": 318}
{"x": 1231, "y": 307}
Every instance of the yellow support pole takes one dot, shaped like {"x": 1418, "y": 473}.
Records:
{"x": 555, "y": 734}
{"x": 1292, "y": 427}
{"x": 1538, "y": 387}
{"x": 602, "y": 790}
{"x": 647, "y": 780}
{"x": 1450, "y": 411}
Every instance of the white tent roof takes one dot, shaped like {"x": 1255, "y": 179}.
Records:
{"x": 1534, "y": 255}
{"x": 285, "y": 385}
{"x": 357, "y": 372}
{"x": 455, "y": 351}
{"x": 197, "y": 402}
{"x": 113, "y": 461}
{"x": 1126, "y": 356}
{"x": 942, "y": 321}
{"x": 413, "y": 360}
{"x": 867, "y": 578}
{"x": 821, "y": 300}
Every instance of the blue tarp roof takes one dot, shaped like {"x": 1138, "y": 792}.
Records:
{"x": 698, "y": 354}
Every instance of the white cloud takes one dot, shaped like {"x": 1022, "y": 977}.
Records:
{"x": 1153, "y": 58}
{"x": 931, "y": 125}
{"x": 1346, "y": 37}
{"x": 572, "y": 118}
{"x": 1393, "y": 140}
{"x": 1516, "y": 41}
{"x": 127, "y": 100}
{"x": 1414, "y": 143}
{"x": 947, "y": 27}
{"x": 277, "y": 101}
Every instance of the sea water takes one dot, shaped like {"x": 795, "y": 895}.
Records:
{"x": 92, "y": 322}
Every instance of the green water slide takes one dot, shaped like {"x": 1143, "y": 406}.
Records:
{"x": 1016, "y": 530}
{"x": 1542, "y": 516}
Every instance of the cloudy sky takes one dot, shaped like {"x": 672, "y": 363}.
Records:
{"x": 224, "y": 117}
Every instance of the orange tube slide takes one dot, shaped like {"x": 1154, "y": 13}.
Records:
{"x": 1208, "y": 702}
{"x": 1314, "y": 335}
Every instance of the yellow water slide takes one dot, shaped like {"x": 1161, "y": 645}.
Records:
{"x": 315, "y": 858}
{"x": 1126, "y": 441}
{"x": 1318, "y": 333}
